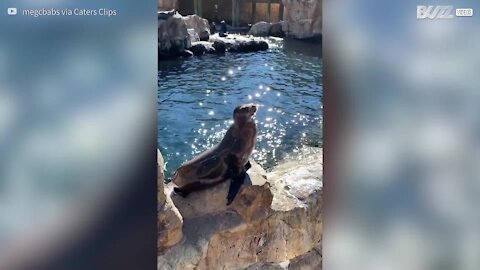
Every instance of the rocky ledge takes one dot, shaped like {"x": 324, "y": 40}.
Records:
{"x": 185, "y": 36}
{"x": 231, "y": 43}
{"x": 303, "y": 21}
{"x": 274, "y": 222}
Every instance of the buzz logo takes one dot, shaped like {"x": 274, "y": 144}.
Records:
{"x": 435, "y": 12}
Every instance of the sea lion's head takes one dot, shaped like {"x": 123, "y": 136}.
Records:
{"x": 244, "y": 113}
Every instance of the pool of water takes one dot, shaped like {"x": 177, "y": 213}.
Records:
{"x": 196, "y": 98}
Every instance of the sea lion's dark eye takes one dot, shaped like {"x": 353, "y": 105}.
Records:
{"x": 244, "y": 109}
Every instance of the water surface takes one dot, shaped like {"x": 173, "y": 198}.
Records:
{"x": 196, "y": 98}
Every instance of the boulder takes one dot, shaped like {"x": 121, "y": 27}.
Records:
{"x": 186, "y": 53}
{"x": 260, "y": 29}
{"x": 202, "y": 47}
{"x": 262, "y": 45}
{"x": 220, "y": 46}
{"x": 169, "y": 220}
{"x": 276, "y": 29}
{"x": 199, "y": 25}
{"x": 264, "y": 29}
{"x": 193, "y": 35}
{"x": 173, "y": 37}
{"x": 169, "y": 224}
{"x": 161, "y": 198}
{"x": 245, "y": 45}
{"x": 253, "y": 195}
{"x": 311, "y": 260}
{"x": 274, "y": 221}
{"x": 167, "y": 4}
{"x": 304, "y": 18}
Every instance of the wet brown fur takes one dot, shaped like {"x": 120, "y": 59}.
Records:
{"x": 226, "y": 158}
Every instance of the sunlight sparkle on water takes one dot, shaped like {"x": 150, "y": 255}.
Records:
{"x": 275, "y": 128}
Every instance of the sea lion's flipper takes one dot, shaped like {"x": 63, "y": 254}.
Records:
{"x": 195, "y": 186}
{"x": 181, "y": 192}
{"x": 248, "y": 166}
{"x": 235, "y": 185}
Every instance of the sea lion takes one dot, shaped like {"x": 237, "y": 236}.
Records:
{"x": 226, "y": 160}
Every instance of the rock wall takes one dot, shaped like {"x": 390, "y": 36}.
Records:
{"x": 199, "y": 25}
{"x": 169, "y": 220}
{"x": 185, "y": 36}
{"x": 264, "y": 29}
{"x": 167, "y": 5}
{"x": 304, "y": 18}
{"x": 275, "y": 221}
{"x": 173, "y": 37}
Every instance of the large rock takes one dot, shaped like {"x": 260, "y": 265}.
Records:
{"x": 260, "y": 29}
{"x": 169, "y": 220}
{"x": 202, "y": 47}
{"x": 304, "y": 18}
{"x": 253, "y": 195}
{"x": 173, "y": 37}
{"x": 312, "y": 260}
{"x": 275, "y": 218}
{"x": 276, "y": 29}
{"x": 199, "y": 25}
{"x": 240, "y": 43}
{"x": 193, "y": 35}
{"x": 167, "y": 4}
{"x": 161, "y": 198}
{"x": 220, "y": 46}
{"x": 265, "y": 29}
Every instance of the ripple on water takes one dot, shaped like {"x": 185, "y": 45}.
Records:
{"x": 197, "y": 98}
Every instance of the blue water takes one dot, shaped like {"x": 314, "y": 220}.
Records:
{"x": 196, "y": 98}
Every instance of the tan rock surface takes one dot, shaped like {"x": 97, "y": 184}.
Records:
{"x": 260, "y": 29}
{"x": 199, "y": 25}
{"x": 169, "y": 220}
{"x": 304, "y": 18}
{"x": 275, "y": 219}
{"x": 167, "y": 4}
{"x": 253, "y": 195}
{"x": 161, "y": 197}
{"x": 173, "y": 34}
{"x": 311, "y": 260}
